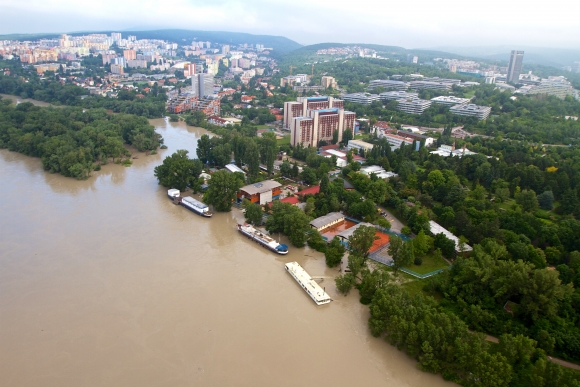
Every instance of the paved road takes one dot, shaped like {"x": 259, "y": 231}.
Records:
{"x": 396, "y": 225}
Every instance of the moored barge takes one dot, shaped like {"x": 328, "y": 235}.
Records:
{"x": 310, "y": 286}
{"x": 262, "y": 239}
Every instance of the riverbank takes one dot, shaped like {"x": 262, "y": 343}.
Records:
{"x": 106, "y": 282}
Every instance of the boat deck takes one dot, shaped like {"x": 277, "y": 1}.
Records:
{"x": 311, "y": 287}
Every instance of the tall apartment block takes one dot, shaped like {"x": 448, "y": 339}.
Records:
{"x": 328, "y": 82}
{"x": 320, "y": 125}
{"x": 129, "y": 54}
{"x": 315, "y": 119}
{"x": 515, "y": 66}
{"x": 202, "y": 84}
{"x": 304, "y": 104}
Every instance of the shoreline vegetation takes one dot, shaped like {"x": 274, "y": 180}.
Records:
{"x": 74, "y": 141}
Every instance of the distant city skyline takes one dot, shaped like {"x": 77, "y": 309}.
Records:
{"x": 428, "y": 24}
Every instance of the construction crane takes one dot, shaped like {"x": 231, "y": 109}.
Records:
{"x": 291, "y": 67}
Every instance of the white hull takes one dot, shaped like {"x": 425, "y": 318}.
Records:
{"x": 318, "y": 295}
{"x": 263, "y": 239}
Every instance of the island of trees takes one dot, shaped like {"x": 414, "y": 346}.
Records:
{"x": 73, "y": 141}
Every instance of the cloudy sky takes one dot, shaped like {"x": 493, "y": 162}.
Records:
{"x": 411, "y": 24}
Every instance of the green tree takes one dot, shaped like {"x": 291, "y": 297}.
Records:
{"x": 268, "y": 150}
{"x": 361, "y": 240}
{"x": 253, "y": 212}
{"x": 446, "y": 245}
{"x": 334, "y": 252}
{"x": 203, "y": 149}
{"x": 252, "y": 157}
{"x": 528, "y": 200}
{"x": 335, "y": 137}
{"x": 546, "y": 200}
{"x": 178, "y": 171}
{"x": 421, "y": 243}
{"x": 316, "y": 241}
{"x": 345, "y": 282}
{"x": 222, "y": 189}
{"x": 286, "y": 169}
{"x": 377, "y": 191}
{"x": 502, "y": 194}
{"x": 394, "y": 250}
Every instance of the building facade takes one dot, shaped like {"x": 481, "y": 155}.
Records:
{"x": 388, "y": 84}
{"x": 202, "y": 84}
{"x": 515, "y": 66}
{"x": 320, "y": 125}
{"x": 481, "y": 112}
{"x": 328, "y": 82}
{"x": 413, "y": 105}
{"x": 362, "y": 98}
{"x": 302, "y": 105}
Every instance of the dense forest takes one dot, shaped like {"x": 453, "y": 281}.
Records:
{"x": 73, "y": 141}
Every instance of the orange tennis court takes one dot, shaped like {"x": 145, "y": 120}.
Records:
{"x": 382, "y": 240}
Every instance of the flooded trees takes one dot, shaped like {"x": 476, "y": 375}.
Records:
{"x": 179, "y": 171}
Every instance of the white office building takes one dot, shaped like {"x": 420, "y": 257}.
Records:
{"x": 362, "y": 98}
{"x": 395, "y": 95}
{"x": 358, "y": 144}
{"x": 377, "y": 171}
{"x": 557, "y": 86}
{"x": 395, "y": 141}
{"x": 413, "y": 105}
{"x": 419, "y": 85}
{"x": 481, "y": 112}
{"x": 388, "y": 84}
{"x": 449, "y": 100}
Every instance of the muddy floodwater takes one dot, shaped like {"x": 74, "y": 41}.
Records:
{"x": 105, "y": 282}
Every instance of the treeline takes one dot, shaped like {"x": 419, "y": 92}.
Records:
{"x": 442, "y": 343}
{"x": 51, "y": 90}
{"x": 538, "y": 118}
{"x": 72, "y": 141}
{"x": 437, "y": 337}
{"x": 525, "y": 200}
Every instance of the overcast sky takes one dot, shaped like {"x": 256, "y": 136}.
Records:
{"x": 410, "y": 24}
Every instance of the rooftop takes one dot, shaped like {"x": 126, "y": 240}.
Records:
{"x": 310, "y": 191}
{"x": 326, "y": 219}
{"x": 438, "y": 229}
{"x": 234, "y": 168}
{"x": 260, "y": 187}
{"x": 349, "y": 231}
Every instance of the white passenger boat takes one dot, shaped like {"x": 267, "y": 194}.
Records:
{"x": 263, "y": 239}
{"x": 308, "y": 284}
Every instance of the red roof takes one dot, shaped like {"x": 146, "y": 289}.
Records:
{"x": 312, "y": 190}
{"x": 327, "y": 147}
{"x": 290, "y": 199}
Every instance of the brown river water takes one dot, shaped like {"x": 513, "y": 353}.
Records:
{"x": 105, "y": 282}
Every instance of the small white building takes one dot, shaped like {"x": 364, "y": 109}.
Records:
{"x": 436, "y": 228}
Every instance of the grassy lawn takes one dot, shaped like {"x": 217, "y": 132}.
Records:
{"x": 470, "y": 94}
{"x": 414, "y": 286}
{"x": 430, "y": 263}
{"x": 507, "y": 205}
{"x": 284, "y": 141}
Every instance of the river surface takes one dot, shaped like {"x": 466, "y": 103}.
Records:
{"x": 105, "y": 282}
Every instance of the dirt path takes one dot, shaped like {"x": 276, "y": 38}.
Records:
{"x": 561, "y": 362}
